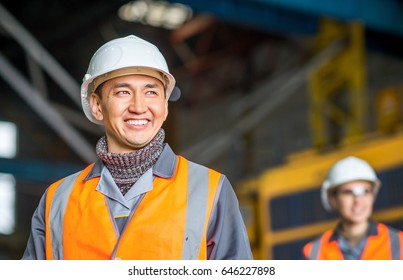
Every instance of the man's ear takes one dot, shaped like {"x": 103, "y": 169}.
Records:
{"x": 96, "y": 109}
{"x": 166, "y": 110}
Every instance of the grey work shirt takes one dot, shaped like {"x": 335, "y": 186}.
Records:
{"x": 226, "y": 233}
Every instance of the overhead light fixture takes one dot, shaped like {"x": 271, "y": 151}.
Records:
{"x": 7, "y": 203}
{"x": 156, "y": 13}
{"x": 8, "y": 143}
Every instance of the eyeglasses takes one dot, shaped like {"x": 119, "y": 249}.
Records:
{"x": 354, "y": 192}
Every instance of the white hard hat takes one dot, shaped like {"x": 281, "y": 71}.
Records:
{"x": 125, "y": 56}
{"x": 347, "y": 170}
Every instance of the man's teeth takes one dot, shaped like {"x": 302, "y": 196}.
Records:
{"x": 137, "y": 122}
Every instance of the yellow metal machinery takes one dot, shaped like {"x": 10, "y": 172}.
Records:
{"x": 281, "y": 207}
{"x": 388, "y": 107}
{"x": 337, "y": 87}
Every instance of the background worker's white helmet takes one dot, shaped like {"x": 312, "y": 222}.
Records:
{"x": 124, "y": 56}
{"x": 347, "y": 170}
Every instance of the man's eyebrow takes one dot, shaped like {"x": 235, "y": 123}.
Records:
{"x": 118, "y": 85}
{"x": 148, "y": 85}
{"x": 151, "y": 85}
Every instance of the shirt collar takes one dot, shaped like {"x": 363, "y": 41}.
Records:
{"x": 164, "y": 167}
{"x": 166, "y": 164}
{"x": 372, "y": 231}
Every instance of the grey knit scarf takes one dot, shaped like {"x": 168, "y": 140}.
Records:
{"x": 127, "y": 168}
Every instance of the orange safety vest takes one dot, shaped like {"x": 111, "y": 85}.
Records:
{"x": 386, "y": 245}
{"x": 169, "y": 223}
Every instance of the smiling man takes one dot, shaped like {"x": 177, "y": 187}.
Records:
{"x": 139, "y": 200}
{"x": 350, "y": 189}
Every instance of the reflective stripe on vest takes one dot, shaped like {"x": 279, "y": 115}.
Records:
{"x": 372, "y": 248}
{"x": 202, "y": 184}
{"x": 197, "y": 200}
{"x": 56, "y": 201}
{"x": 395, "y": 244}
{"x": 315, "y": 249}
{"x": 56, "y": 215}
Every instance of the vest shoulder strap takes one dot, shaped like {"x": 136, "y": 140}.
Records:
{"x": 57, "y": 199}
{"x": 395, "y": 244}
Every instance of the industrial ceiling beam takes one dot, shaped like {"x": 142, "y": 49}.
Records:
{"x": 285, "y": 86}
{"x": 40, "y": 55}
{"x": 258, "y": 15}
{"x": 296, "y": 16}
{"x": 44, "y": 109}
{"x": 380, "y": 15}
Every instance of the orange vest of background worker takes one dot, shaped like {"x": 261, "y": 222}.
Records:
{"x": 350, "y": 189}
{"x": 158, "y": 231}
{"x": 383, "y": 243}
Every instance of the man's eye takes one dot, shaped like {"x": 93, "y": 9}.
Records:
{"x": 123, "y": 92}
{"x": 151, "y": 92}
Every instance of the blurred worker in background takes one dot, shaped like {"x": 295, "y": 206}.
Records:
{"x": 139, "y": 200}
{"x": 350, "y": 189}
